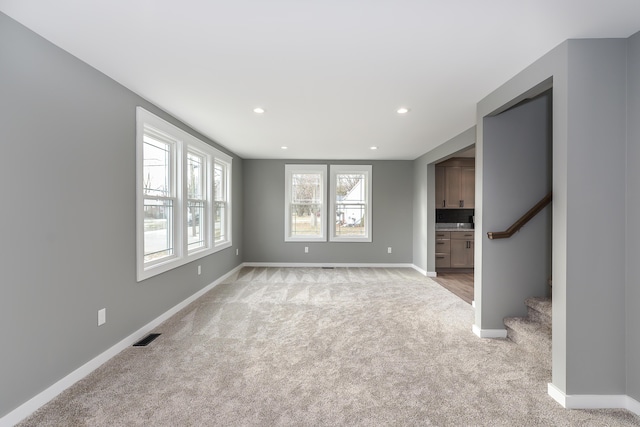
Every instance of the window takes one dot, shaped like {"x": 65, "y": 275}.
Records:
{"x": 221, "y": 198}
{"x": 159, "y": 192}
{"x": 350, "y": 203}
{"x": 305, "y": 203}
{"x": 197, "y": 210}
{"x": 183, "y": 197}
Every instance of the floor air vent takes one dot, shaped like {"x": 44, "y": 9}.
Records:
{"x": 327, "y": 268}
{"x": 146, "y": 340}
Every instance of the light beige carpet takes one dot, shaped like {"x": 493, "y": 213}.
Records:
{"x": 316, "y": 347}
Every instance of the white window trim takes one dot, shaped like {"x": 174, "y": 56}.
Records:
{"x": 289, "y": 171}
{"x": 175, "y": 169}
{"x": 206, "y": 193}
{"x": 226, "y": 160}
{"x": 183, "y": 143}
{"x": 356, "y": 169}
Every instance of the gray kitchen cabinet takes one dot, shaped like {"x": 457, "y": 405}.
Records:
{"x": 462, "y": 245}
{"x": 455, "y": 184}
{"x": 443, "y": 249}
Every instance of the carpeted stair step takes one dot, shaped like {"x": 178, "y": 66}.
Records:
{"x": 539, "y": 309}
{"x": 530, "y": 333}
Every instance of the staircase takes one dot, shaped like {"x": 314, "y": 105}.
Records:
{"x": 534, "y": 331}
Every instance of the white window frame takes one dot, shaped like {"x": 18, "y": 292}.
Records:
{"x": 182, "y": 143}
{"x": 226, "y": 223}
{"x": 290, "y": 170}
{"x": 365, "y": 170}
{"x": 204, "y": 198}
{"x": 173, "y": 193}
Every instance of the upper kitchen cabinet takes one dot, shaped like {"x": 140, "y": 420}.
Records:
{"x": 468, "y": 186}
{"x": 455, "y": 184}
{"x": 440, "y": 187}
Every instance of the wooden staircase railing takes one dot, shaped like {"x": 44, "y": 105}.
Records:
{"x": 522, "y": 221}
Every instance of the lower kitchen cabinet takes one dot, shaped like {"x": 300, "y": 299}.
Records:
{"x": 443, "y": 249}
{"x": 461, "y": 254}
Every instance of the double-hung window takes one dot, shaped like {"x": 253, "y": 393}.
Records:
{"x": 159, "y": 196}
{"x": 197, "y": 211}
{"x": 305, "y": 203}
{"x": 350, "y": 203}
{"x": 221, "y": 199}
{"x": 183, "y": 197}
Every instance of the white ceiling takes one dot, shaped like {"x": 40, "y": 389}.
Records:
{"x": 330, "y": 73}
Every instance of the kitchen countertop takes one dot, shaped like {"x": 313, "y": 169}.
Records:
{"x": 455, "y": 229}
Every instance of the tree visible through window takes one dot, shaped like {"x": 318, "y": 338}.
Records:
{"x": 305, "y": 203}
{"x": 306, "y": 214}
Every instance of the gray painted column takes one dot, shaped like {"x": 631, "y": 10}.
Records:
{"x": 595, "y": 231}
{"x": 633, "y": 214}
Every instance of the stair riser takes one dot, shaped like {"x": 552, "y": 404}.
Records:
{"x": 538, "y": 346}
{"x": 533, "y": 333}
{"x": 538, "y": 316}
{"x": 532, "y": 340}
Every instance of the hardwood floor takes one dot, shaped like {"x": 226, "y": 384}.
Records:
{"x": 460, "y": 284}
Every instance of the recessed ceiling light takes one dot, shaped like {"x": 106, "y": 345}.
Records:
{"x": 284, "y": 147}
{"x": 373, "y": 148}
{"x": 402, "y": 110}
{"x": 259, "y": 110}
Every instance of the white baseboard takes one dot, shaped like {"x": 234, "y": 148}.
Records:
{"x": 327, "y": 264}
{"x": 593, "y": 401}
{"x": 419, "y": 270}
{"x": 489, "y": 333}
{"x": 33, "y": 404}
{"x": 424, "y": 272}
{"x": 633, "y": 405}
{"x": 557, "y": 395}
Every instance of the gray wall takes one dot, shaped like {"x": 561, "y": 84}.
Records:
{"x": 589, "y": 140}
{"x": 392, "y": 209}
{"x": 517, "y": 174}
{"x": 424, "y": 207}
{"x": 68, "y": 217}
{"x": 633, "y": 212}
{"x": 595, "y": 279}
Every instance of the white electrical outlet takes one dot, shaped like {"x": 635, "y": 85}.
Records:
{"x": 102, "y": 316}
{"x": 389, "y": 250}
{"x": 237, "y": 252}
{"x": 306, "y": 249}
{"x": 199, "y": 270}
